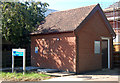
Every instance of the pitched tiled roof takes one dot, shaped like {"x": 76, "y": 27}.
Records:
{"x": 63, "y": 21}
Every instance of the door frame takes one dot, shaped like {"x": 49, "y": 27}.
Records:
{"x": 108, "y": 39}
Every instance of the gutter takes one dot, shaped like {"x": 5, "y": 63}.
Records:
{"x": 48, "y": 33}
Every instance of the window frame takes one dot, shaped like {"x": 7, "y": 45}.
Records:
{"x": 97, "y": 45}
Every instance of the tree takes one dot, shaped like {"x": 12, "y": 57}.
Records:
{"x": 19, "y": 19}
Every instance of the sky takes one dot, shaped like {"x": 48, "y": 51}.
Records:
{"x": 71, "y": 4}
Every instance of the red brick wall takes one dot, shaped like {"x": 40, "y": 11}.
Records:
{"x": 93, "y": 30}
{"x": 53, "y": 53}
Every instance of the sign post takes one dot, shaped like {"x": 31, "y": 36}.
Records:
{"x": 24, "y": 63}
{"x": 18, "y": 52}
{"x": 12, "y": 63}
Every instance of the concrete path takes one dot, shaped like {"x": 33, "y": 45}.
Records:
{"x": 103, "y": 75}
{"x": 86, "y": 78}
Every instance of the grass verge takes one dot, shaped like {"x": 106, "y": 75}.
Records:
{"x": 32, "y": 76}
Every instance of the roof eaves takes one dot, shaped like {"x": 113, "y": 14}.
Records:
{"x": 51, "y": 33}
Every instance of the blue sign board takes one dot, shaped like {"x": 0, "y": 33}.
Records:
{"x": 17, "y": 52}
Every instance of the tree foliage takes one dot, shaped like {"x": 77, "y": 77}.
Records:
{"x": 19, "y": 19}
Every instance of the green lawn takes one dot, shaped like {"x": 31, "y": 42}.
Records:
{"x": 7, "y": 76}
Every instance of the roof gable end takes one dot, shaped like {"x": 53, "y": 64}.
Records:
{"x": 97, "y": 8}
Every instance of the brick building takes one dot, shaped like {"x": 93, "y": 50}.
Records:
{"x": 76, "y": 40}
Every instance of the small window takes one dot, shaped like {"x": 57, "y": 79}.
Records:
{"x": 97, "y": 47}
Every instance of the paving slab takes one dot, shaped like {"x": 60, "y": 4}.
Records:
{"x": 60, "y": 74}
{"x": 47, "y": 70}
